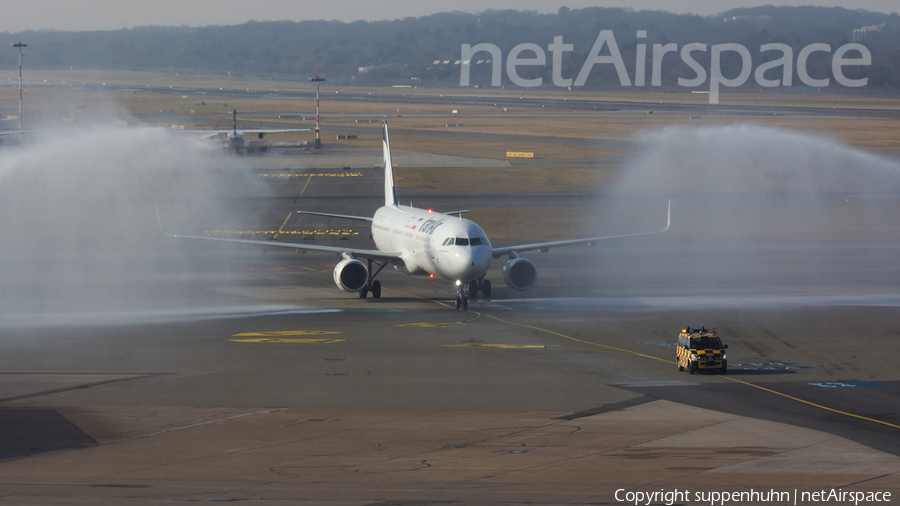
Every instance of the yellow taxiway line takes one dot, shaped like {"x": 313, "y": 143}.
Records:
{"x": 621, "y": 350}
{"x": 285, "y": 221}
{"x": 287, "y": 340}
{"x": 307, "y": 184}
{"x": 638, "y": 354}
{"x": 283, "y": 333}
{"x": 826, "y": 408}
{"x": 791, "y": 397}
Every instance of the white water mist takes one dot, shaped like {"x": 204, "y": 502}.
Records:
{"x": 77, "y": 220}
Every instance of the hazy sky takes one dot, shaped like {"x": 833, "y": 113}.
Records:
{"x": 116, "y": 14}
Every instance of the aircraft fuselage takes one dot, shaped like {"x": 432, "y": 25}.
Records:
{"x": 236, "y": 144}
{"x": 433, "y": 243}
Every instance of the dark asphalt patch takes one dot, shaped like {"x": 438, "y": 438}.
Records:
{"x": 742, "y": 400}
{"x": 28, "y": 431}
{"x": 618, "y": 406}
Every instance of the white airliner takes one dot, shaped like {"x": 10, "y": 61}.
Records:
{"x": 422, "y": 242}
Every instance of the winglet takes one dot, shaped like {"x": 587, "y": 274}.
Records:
{"x": 668, "y": 218}
{"x": 390, "y": 195}
{"x": 159, "y": 220}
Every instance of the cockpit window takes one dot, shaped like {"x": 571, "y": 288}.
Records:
{"x": 475, "y": 241}
{"x": 462, "y": 241}
{"x": 447, "y": 241}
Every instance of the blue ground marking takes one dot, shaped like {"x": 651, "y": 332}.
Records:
{"x": 769, "y": 366}
{"x": 588, "y": 361}
{"x": 775, "y": 368}
{"x": 763, "y": 364}
{"x": 847, "y": 384}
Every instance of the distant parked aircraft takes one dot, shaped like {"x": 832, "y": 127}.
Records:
{"x": 235, "y": 142}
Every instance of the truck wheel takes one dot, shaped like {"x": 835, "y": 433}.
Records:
{"x": 693, "y": 368}
{"x": 678, "y": 363}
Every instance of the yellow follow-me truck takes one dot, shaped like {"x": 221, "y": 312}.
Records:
{"x": 700, "y": 349}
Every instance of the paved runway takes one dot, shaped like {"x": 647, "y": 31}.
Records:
{"x": 168, "y": 370}
{"x": 563, "y": 101}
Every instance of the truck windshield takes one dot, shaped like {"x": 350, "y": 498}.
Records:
{"x": 706, "y": 343}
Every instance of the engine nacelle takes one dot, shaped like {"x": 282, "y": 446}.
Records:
{"x": 351, "y": 275}
{"x": 519, "y": 274}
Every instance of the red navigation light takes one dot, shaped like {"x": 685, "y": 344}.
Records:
{"x": 429, "y": 209}
{"x": 431, "y": 275}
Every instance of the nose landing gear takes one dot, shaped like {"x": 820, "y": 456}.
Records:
{"x": 462, "y": 300}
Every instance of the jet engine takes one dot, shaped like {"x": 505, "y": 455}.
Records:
{"x": 519, "y": 274}
{"x": 351, "y": 275}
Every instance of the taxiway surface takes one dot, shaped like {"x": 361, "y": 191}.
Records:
{"x": 140, "y": 368}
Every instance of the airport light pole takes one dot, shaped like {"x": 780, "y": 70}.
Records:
{"x": 20, "y": 46}
{"x": 317, "y": 80}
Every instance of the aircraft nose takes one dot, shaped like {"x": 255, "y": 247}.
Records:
{"x": 476, "y": 261}
{"x": 482, "y": 257}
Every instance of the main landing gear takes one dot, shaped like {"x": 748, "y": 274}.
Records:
{"x": 482, "y": 285}
{"x": 372, "y": 285}
{"x": 476, "y": 285}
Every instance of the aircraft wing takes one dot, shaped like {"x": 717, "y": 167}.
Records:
{"x": 273, "y": 131}
{"x": 204, "y": 134}
{"x": 374, "y": 254}
{"x": 213, "y": 133}
{"x": 287, "y": 144}
{"x": 344, "y": 216}
{"x": 545, "y": 246}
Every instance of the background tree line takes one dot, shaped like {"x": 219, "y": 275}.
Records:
{"x": 399, "y": 50}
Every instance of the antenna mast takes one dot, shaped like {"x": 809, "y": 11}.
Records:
{"x": 317, "y": 80}
{"x": 20, "y": 46}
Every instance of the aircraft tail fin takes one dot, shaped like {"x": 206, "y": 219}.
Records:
{"x": 390, "y": 195}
